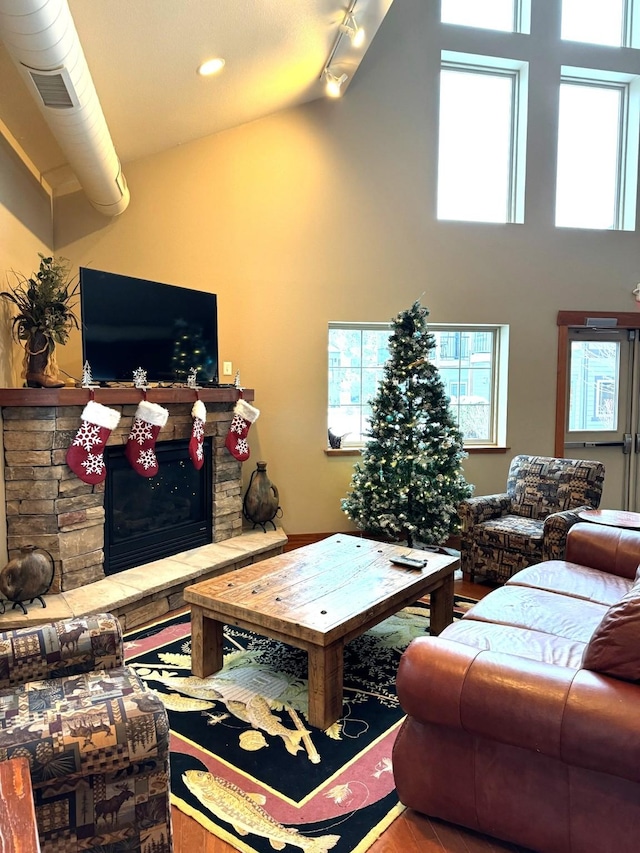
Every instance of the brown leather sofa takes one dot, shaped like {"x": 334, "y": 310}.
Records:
{"x": 523, "y": 718}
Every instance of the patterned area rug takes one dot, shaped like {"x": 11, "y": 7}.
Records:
{"x": 244, "y": 761}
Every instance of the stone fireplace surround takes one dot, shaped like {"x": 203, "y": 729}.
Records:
{"x": 48, "y": 506}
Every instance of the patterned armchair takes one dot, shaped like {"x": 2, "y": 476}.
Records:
{"x": 97, "y": 740}
{"x": 501, "y": 534}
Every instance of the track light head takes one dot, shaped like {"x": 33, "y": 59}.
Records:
{"x": 333, "y": 84}
{"x": 351, "y": 28}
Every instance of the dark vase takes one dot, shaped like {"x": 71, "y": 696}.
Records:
{"x": 260, "y": 503}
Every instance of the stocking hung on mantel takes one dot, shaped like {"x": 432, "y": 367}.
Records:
{"x": 85, "y": 455}
{"x": 244, "y": 414}
{"x": 196, "y": 450}
{"x": 141, "y": 443}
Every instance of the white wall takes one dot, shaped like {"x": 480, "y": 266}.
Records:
{"x": 327, "y": 213}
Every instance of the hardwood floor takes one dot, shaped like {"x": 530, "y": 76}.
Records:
{"x": 410, "y": 833}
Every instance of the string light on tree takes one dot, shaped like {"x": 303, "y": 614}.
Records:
{"x": 409, "y": 482}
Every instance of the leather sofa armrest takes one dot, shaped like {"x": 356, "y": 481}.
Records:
{"x": 57, "y": 649}
{"x": 580, "y": 717}
{"x": 472, "y": 511}
{"x": 610, "y": 549}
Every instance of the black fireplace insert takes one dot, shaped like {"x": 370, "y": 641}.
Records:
{"x": 148, "y": 518}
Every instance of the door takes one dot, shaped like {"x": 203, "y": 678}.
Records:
{"x": 601, "y": 411}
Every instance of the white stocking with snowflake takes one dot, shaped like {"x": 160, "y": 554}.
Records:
{"x": 85, "y": 456}
{"x": 140, "y": 450}
{"x": 196, "y": 448}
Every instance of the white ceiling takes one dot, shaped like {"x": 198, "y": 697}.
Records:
{"x": 143, "y": 57}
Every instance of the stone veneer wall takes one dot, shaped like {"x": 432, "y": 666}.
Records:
{"x": 48, "y": 506}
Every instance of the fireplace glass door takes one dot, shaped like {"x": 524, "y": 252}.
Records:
{"x": 148, "y": 518}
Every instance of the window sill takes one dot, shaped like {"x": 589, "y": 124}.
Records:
{"x": 471, "y": 450}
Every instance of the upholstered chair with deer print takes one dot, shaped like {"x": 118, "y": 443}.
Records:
{"x": 97, "y": 739}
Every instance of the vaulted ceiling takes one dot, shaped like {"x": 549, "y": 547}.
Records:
{"x": 143, "y": 56}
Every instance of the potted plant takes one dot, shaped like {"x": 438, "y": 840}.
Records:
{"x": 44, "y": 318}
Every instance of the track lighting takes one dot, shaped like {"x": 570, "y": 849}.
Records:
{"x": 333, "y": 84}
{"x": 351, "y": 28}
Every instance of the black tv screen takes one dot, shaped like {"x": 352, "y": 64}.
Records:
{"x": 129, "y": 323}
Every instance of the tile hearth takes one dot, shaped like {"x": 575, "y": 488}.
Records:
{"x": 151, "y": 591}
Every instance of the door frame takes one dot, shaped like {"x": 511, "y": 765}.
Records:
{"x": 580, "y": 320}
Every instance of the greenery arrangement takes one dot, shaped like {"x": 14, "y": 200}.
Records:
{"x": 409, "y": 481}
{"x": 45, "y": 315}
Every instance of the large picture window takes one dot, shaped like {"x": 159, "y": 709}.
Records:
{"x": 471, "y": 361}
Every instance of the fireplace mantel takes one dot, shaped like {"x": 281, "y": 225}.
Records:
{"x": 116, "y": 396}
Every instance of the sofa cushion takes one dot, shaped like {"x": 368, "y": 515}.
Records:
{"x": 614, "y": 648}
{"x": 538, "y": 610}
{"x": 534, "y": 645}
{"x": 511, "y": 533}
{"x": 571, "y": 579}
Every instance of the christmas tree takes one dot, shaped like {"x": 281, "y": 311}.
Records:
{"x": 409, "y": 482}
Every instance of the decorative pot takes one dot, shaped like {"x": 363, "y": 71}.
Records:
{"x": 27, "y": 576}
{"x": 260, "y": 503}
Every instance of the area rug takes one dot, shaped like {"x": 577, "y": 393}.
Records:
{"x": 244, "y": 761}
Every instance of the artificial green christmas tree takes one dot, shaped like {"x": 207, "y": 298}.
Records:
{"x": 409, "y": 482}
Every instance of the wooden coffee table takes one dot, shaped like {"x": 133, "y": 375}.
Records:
{"x": 317, "y": 598}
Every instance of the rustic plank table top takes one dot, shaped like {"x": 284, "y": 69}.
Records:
{"x": 317, "y": 598}
{"x": 18, "y": 832}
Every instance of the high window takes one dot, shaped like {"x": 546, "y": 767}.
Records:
{"x": 482, "y": 132}
{"x": 506, "y": 15}
{"x": 606, "y": 22}
{"x": 483, "y": 111}
{"x": 597, "y": 162}
{"x": 472, "y": 365}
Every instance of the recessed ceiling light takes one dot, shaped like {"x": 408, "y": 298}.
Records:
{"x": 211, "y": 66}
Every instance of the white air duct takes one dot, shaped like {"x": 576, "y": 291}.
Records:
{"x": 42, "y": 40}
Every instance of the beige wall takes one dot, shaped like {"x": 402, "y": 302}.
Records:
{"x": 326, "y": 213}
{"x": 26, "y": 228}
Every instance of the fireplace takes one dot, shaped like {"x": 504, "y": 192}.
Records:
{"x": 48, "y": 506}
{"x": 147, "y": 518}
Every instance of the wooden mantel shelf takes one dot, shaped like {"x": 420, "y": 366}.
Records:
{"x": 115, "y": 396}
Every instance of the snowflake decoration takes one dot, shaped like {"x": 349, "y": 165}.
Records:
{"x": 199, "y": 452}
{"x": 242, "y": 446}
{"x": 198, "y": 429}
{"x": 237, "y": 424}
{"x": 140, "y": 431}
{"x": 88, "y": 436}
{"x": 191, "y": 378}
{"x": 147, "y": 459}
{"x": 93, "y": 464}
{"x": 140, "y": 378}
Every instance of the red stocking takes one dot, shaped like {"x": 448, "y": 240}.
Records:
{"x": 196, "y": 451}
{"x": 85, "y": 455}
{"x": 140, "y": 450}
{"x": 236, "y": 441}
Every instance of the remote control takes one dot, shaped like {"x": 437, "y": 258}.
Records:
{"x": 408, "y": 562}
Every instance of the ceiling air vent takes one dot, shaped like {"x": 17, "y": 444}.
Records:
{"x": 53, "y": 89}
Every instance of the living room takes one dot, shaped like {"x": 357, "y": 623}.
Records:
{"x": 327, "y": 212}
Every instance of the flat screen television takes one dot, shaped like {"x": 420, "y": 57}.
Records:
{"x": 129, "y": 323}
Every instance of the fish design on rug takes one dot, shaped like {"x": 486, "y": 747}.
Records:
{"x": 257, "y": 712}
{"x": 245, "y": 813}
